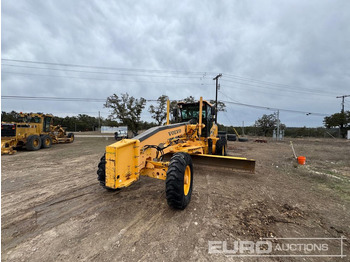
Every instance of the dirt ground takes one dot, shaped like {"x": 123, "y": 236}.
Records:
{"x": 53, "y": 208}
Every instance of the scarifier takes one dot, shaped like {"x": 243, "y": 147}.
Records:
{"x": 194, "y": 139}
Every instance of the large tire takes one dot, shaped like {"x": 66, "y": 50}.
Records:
{"x": 222, "y": 134}
{"x": 179, "y": 181}
{"x": 33, "y": 143}
{"x": 46, "y": 141}
{"x": 220, "y": 148}
{"x": 243, "y": 139}
{"x": 101, "y": 173}
{"x": 71, "y": 136}
{"x": 231, "y": 137}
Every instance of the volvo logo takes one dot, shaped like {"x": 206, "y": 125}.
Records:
{"x": 171, "y": 133}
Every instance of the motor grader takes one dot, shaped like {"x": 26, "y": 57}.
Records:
{"x": 33, "y": 131}
{"x": 194, "y": 140}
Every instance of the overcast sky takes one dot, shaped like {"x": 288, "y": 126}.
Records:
{"x": 278, "y": 54}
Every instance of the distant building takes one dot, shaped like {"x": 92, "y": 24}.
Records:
{"x": 121, "y": 130}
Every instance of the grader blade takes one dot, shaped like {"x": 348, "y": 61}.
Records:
{"x": 231, "y": 162}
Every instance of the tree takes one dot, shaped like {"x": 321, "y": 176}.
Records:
{"x": 341, "y": 120}
{"x": 266, "y": 124}
{"x": 109, "y": 122}
{"x": 13, "y": 116}
{"x": 146, "y": 125}
{"x": 159, "y": 112}
{"x": 88, "y": 122}
{"x": 221, "y": 105}
{"x": 189, "y": 99}
{"x": 127, "y": 109}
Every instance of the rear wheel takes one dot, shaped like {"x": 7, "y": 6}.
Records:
{"x": 179, "y": 181}
{"x": 33, "y": 143}
{"x": 46, "y": 141}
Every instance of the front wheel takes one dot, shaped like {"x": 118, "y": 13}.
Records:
{"x": 101, "y": 173}
{"x": 179, "y": 181}
{"x": 220, "y": 148}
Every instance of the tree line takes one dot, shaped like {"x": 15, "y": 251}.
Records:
{"x": 126, "y": 110}
{"x": 81, "y": 122}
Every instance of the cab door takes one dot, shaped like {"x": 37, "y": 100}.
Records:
{"x": 46, "y": 124}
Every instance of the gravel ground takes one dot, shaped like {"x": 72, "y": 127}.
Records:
{"x": 53, "y": 208}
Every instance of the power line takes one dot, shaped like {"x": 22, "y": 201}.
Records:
{"x": 229, "y": 119}
{"x": 278, "y": 89}
{"x": 173, "y": 76}
{"x": 85, "y": 99}
{"x": 199, "y": 74}
{"x": 48, "y": 98}
{"x": 270, "y": 83}
{"x": 61, "y": 99}
{"x": 102, "y": 67}
{"x": 104, "y": 79}
{"x": 155, "y": 82}
{"x": 271, "y": 108}
{"x": 71, "y": 112}
{"x": 100, "y": 72}
{"x": 275, "y": 109}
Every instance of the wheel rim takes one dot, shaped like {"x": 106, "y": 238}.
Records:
{"x": 187, "y": 180}
{"x": 36, "y": 142}
{"x": 47, "y": 141}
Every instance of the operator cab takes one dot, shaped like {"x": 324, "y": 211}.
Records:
{"x": 190, "y": 112}
{"x": 38, "y": 118}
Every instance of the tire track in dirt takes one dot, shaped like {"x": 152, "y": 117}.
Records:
{"x": 60, "y": 212}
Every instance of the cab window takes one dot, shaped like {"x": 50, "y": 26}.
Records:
{"x": 192, "y": 112}
{"x": 35, "y": 120}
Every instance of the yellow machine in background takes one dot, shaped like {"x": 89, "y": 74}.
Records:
{"x": 195, "y": 138}
{"x": 33, "y": 131}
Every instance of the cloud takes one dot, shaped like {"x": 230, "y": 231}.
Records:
{"x": 303, "y": 45}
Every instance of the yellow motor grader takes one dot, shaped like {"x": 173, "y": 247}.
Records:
{"x": 33, "y": 131}
{"x": 194, "y": 139}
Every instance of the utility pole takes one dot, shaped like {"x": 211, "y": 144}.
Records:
{"x": 342, "y": 103}
{"x": 278, "y": 125}
{"x": 342, "y": 111}
{"x": 99, "y": 121}
{"x": 216, "y": 97}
